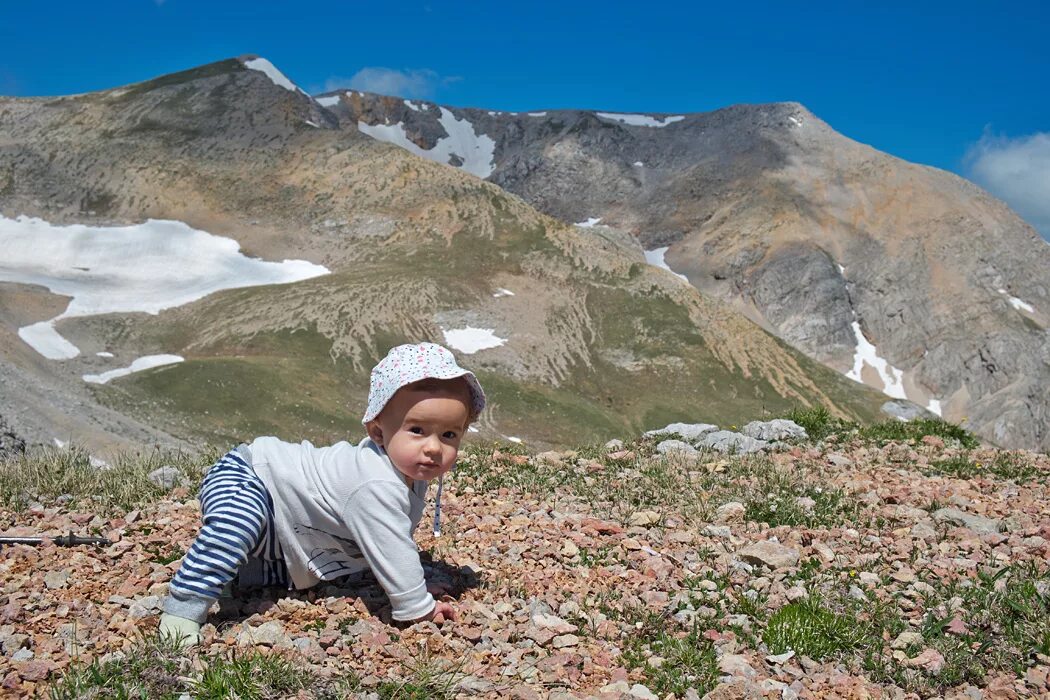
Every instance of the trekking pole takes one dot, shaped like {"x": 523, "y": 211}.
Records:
{"x": 69, "y": 540}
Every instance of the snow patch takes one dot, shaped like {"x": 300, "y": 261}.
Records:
{"x": 593, "y": 221}
{"x": 139, "y": 365}
{"x": 145, "y": 267}
{"x": 640, "y": 119}
{"x": 475, "y": 150}
{"x": 866, "y": 353}
{"x": 638, "y": 164}
{"x": 472, "y": 429}
{"x": 276, "y": 76}
{"x": 537, "y": 114}
{"x": 329, "y": 101}
{"x": 934, "y": 406}
{"x": 514, "y": 439}
{"x": 656, "y": 257}
{"x": 310, "y": 123}
{"x": 470, "y": 340}
{"x": 796, "y": 122}
{"x": 414, "y": 108}
{"x": 501, "y": 292}
{"x": 43, "y": 338}
{"x": 1018, "y": 304}
{"x": 104, "y": 354}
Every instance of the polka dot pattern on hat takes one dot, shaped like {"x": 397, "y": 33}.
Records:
{"x": 406, "y": 364}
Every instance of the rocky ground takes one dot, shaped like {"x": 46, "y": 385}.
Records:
{"x": 852, "y": 566}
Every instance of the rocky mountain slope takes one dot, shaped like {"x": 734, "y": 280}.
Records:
{"x": 572, "y": 333}
{"x": 904, "y": 276}
{"x": 842, "y": 568}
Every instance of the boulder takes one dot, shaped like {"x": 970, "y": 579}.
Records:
{"x": 675, "y": 447}
{"x": 778, "y": 429}
{"x": 768, "y": 553}
{"x": 977, "y": 523}
{"x": 690, "y": 431}
{"x": 726, "y": 441}
{"x": 166, "y": 477}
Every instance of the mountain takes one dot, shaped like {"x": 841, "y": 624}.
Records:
{"x": 907, "y": 277}
{"x": 148, "y": 224}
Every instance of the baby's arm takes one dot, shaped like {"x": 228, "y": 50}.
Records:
{"x": 377, "y": 515}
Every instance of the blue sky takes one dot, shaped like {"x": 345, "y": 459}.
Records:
{"x": 960, "y": 86}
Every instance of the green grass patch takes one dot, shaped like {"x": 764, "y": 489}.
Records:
{"x": 1004, "y": 465}
{"x": 155, "y": 669}
{"x": 809, "y": 628}
{"x": 819, "y": 423}
{"x": 902, "y": 431}
{"x": 47, "y": 474}
{"x": 672, "y": 661}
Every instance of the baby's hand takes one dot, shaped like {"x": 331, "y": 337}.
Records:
{"x": 442, "y": 611}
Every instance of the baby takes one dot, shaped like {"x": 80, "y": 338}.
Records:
{"x": 278, "y": 513}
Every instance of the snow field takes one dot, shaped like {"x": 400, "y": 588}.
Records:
{"x": 640, "y": 119}
{"x": 1017, "y": 303}
{"x": 866, "y": 353}
{"x": 142, "y": 363}
{"x": 656, "y": 257}
{"x": 592, "y": 221}
{"x": 145, "y": 267}
{"x": 477, "y": 151}
{"x": 470, "y": 340}
{"x": 278, "y": 78}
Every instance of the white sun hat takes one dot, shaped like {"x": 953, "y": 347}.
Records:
{"x": 406, "y": 364}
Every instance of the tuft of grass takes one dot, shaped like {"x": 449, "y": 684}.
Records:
{"x": 47, "y": 474}
{"x": 916, "y": 430}
{"x": 1005, "y": 465}
{"x": 426, "y": 677}
{"x": 819, "y": 423}
{"x": 809, "y": 628}
{"x": 156, "y": 669}
{"x": 688, "y": 660}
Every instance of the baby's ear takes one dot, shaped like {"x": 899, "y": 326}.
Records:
{"x": 374, "y": 432}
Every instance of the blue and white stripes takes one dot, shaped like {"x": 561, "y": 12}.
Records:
{"x": 237, "y": 525}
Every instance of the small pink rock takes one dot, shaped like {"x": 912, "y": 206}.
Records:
{"x": 930, "y": 660}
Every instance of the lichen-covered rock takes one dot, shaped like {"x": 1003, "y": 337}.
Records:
{"x": 729, "y": 442}
{"x": 777, "y": 429}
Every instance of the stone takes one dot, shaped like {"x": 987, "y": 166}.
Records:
{"x": 167, "y": 477}
{"x": 565, "y": 640}
{"x": 930, "y": 660}
{"x": 614, "y": 445}
{"x": 643, "y": 693}
{"x": 269, "y": 633}
{"x": 736, "y": 665}
{"x": 777, "y": 429}
{"x": 675, "y": 447}
{"x": 57, "y": 578}
{"x": 838, "y": 460}
{"x": 644, "y": 517}
{"x": 906, "y": 639}
{"x": 732, "y": 512}
{"x": 977, "y": 523}
{"x": 552, "y": 623}
{"x": 722, "y": 531}
{"x": 22, "y": 655}
{"x": 768, "y": 553}
{"x": 569, "y": 549}
{"x": 728, "y": 442}
{"x": 780, "y": 658}
{"x": 690, "y": 431}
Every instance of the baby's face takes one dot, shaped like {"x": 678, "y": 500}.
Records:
{"x": 421, "y": 431}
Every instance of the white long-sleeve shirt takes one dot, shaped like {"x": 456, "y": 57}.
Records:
{"x": 343, "y": 509}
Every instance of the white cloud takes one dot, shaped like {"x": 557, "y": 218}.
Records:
{"x": 1017, "y": 170}
{"x": 417, "y": 84}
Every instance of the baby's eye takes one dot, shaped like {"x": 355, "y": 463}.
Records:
{"x": 450, "y": 434}
{"x": 415, "y": 429}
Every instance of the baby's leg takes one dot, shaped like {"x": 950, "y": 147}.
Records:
{"x": 236, "y": 513}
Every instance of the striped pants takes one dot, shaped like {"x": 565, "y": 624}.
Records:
{"x": 237, "y": 538}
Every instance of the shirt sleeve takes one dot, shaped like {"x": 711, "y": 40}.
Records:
{"x": 376, "y": 514}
